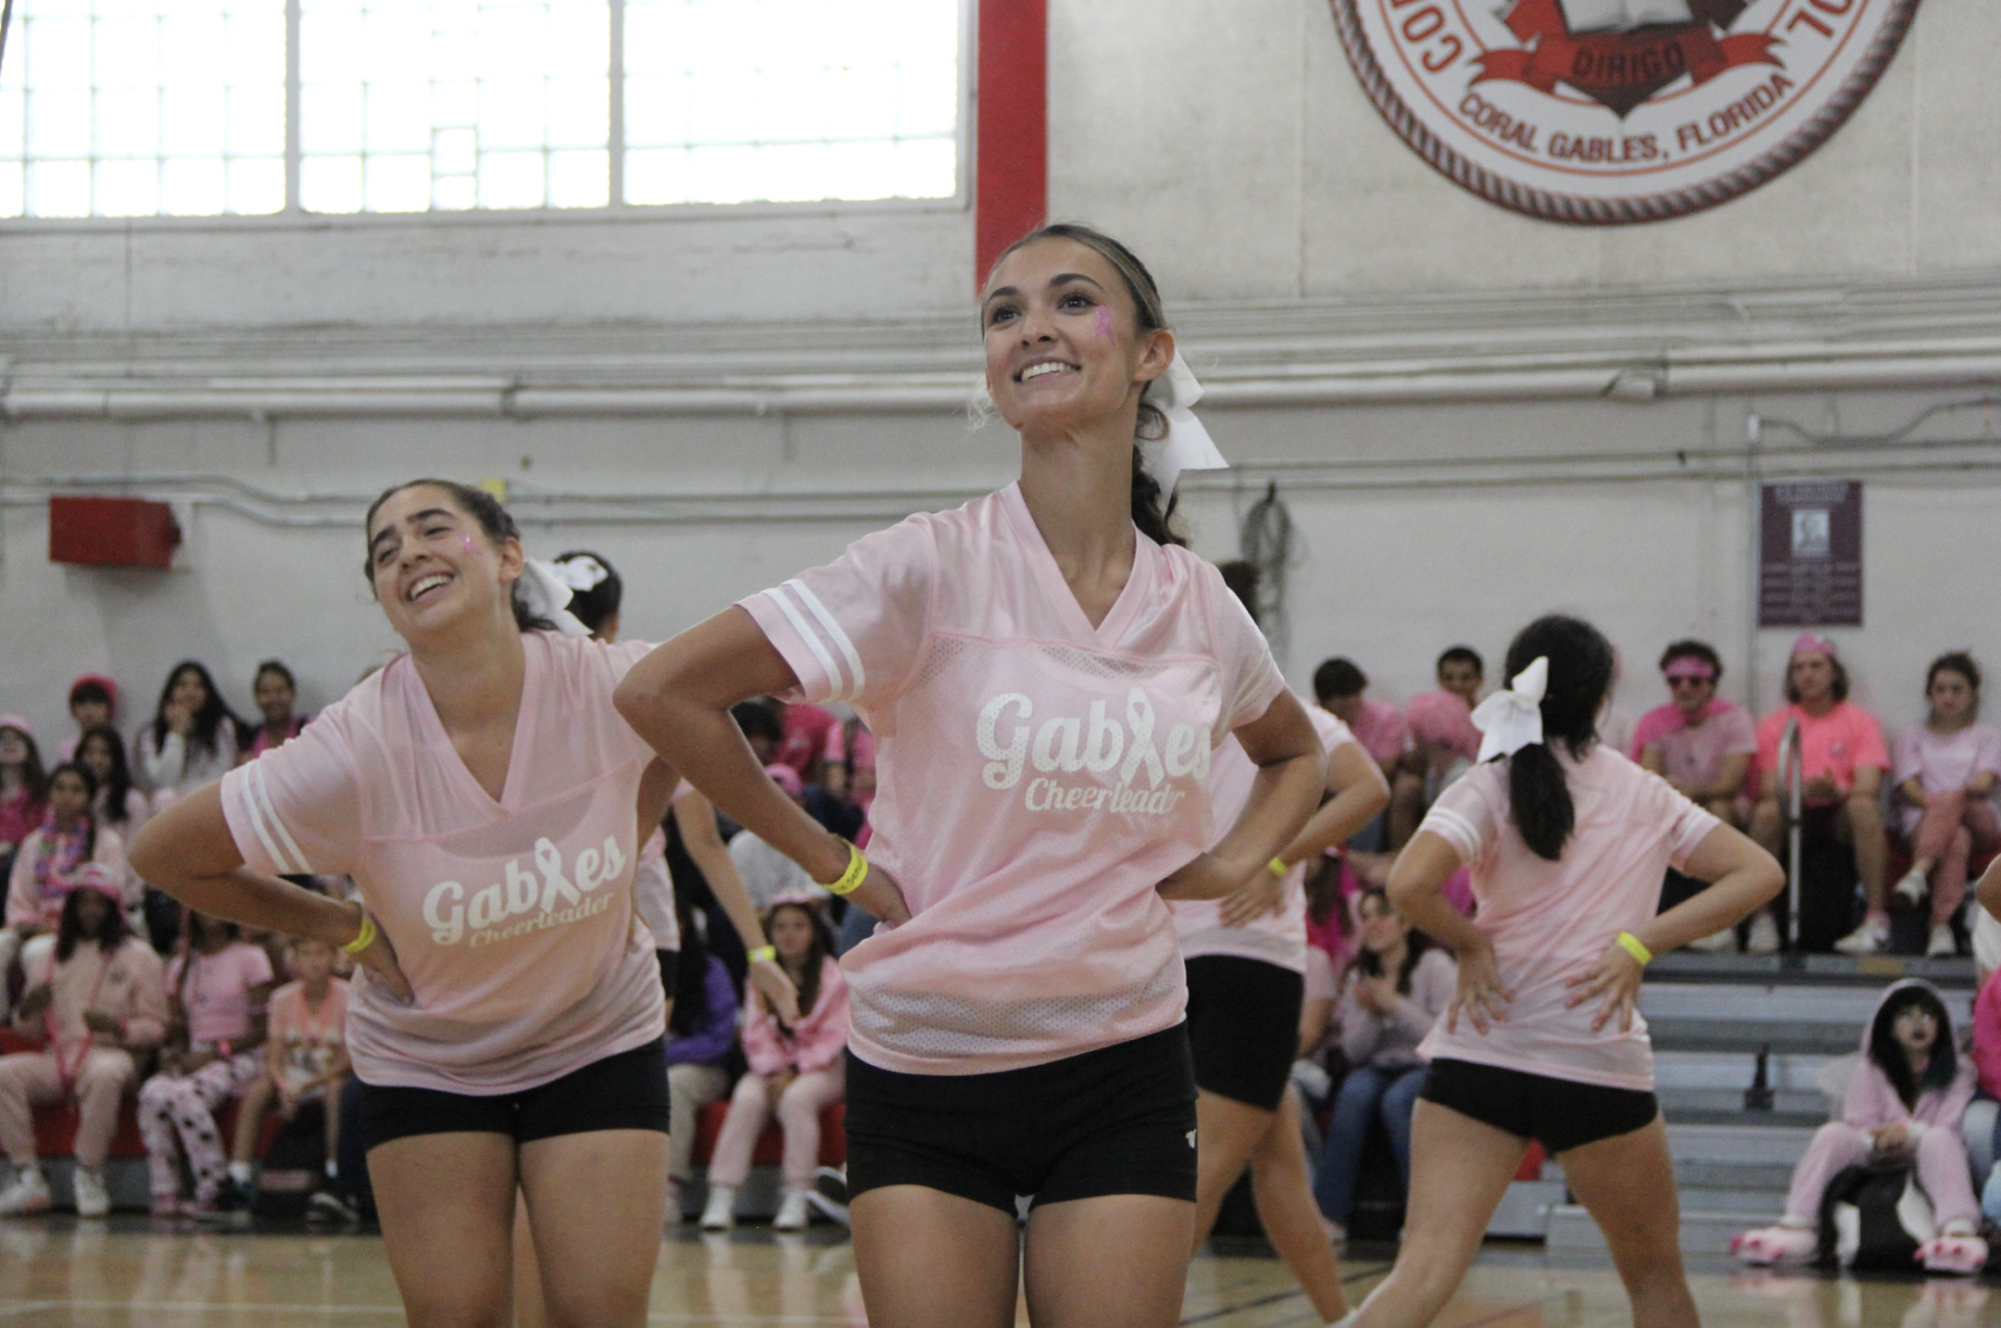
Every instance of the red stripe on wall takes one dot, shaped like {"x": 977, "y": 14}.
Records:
{"x": 1011, "y": 144}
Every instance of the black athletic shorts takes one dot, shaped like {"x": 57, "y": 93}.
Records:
{"x": 627, "y": 1091}
{"x": 1243, "y": 1026}
{"x": 1561, "y": 1113}
{"x": 670, "y": 970}
{"x": 1119, "y": 1120}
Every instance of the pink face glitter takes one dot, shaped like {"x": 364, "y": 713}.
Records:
{"x": 467, "y": 541}
{"x": 1104, "y": 322}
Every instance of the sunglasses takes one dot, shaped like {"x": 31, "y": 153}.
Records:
{"x": 1691, "y": 679}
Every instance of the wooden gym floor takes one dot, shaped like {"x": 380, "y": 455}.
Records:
{"x": 127, "y": 1273}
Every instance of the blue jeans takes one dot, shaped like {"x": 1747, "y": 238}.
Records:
{"x": 1367, "y": 1093}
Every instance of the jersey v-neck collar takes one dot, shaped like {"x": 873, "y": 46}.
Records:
{"x": 510, "y": 799}
{"x": 1139, "y": 582}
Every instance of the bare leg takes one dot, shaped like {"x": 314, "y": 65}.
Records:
{"x": 1460, "y": 1168}
{"x": 447, "y": 1206}
{"x": 1290, "y": 1218}
{"x": 250, "y": 1119}
{"x": 529, "y": 1309}
{"x": 1226, "y": 1132}
{"x": 595, "y": 1200}
{"x": 1627, "y": 1183}
{"x": 1872, "y": 850}
{"x": 927, "y": 1258}
{"x": 1120, "y": 1261}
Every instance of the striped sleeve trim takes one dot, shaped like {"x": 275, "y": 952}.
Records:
{"x": 840, "y": 638}
{"x": 1455, "y": 830}
{"x": 269, "y": 829}
{"x": 822, "y": 636}
{"x": 1691, "y": 829}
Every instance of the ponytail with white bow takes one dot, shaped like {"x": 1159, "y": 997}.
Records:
{"x": 1559, "y": 670}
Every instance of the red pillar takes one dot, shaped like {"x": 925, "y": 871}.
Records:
{"x": 1011, "y": 143}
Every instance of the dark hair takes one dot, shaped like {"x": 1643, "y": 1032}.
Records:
{"x": 1840, "y": 680}
{"x": 691, "y": 989}
{"x": 1954, "y": 661}
{"x": 1242, "y": 578}
{"x": 118, "y": 788}
{"x": 816, "y": 955}
{"x": 1324, "y": 901}
{"x": 757, "y": 721}
{"x": 1889, "y": 1056}
{"x": 1152, "y": 511}
{"x": 89, "y": 689}
{"x": 207, "y": 720}
{"x": 69, "y": 931}
{"x": 1461, "y": 655}
{"x": 277, "y": 667}
{"x": 1338, "y": 677}
{"x": 1580, "y": 673}
{"x": 1692, "y": 649}
{"x": 32, "y": 773}
{"x": 82, "y": 772}
{"x": 1369, "y": 963}
{"x": 596, "y": 606}
{"x": 493, "y": 520}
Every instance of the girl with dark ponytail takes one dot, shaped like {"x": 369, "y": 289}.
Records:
{"x": 1567, "y": 842}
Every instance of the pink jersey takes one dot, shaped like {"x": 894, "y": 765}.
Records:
{"x": 308, "y": 1039}
{"x": 1036, "y": 777}
{"x": 216, "y": 995}
{"x": 513, "y": 919}
{"x": 1276, "y": 938}
{"x": 1834, "y": 745}
{"x": 1551, "y": 921}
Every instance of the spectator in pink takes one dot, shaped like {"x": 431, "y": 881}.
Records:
{"x": 276, "y": 692}
{"x": 93, "y": 700}
{"x": 305, "y": 1057}
{"x": 24, "y": 784}
{"x": 1444, "y": 742}
{"x": 813, "y": 737}
{"x": 217, "y": 992}
{"x": 1843, "y": 761}
{"x": 1982, "y": 1124}
{"x": 795, "y": 1070}
{"x": 1945, "y": 770}
{"x": 93, "y": 1004}
{"x": 1905, "y": 1101}
{"x": 1701, "y": 744}
{"x": 68, "y": 839}
{"x": 1339, "y": 687}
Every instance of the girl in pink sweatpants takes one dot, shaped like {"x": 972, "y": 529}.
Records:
{"x": 797, "y": 1069}
{"x": 1906, "y": 1100}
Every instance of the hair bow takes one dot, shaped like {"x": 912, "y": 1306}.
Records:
{"x": 581, "y": 572}
{"x": 1511, "y": 720}
{"x": 545, "y": 594}
{"x": 1187, "y": 445}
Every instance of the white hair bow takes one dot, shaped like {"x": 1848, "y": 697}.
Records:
{"x": 1187, "y": 445}
{"x": 581, "y": 572}
{"x": 1511, "y": 720}
{"x": 545, "y": 594}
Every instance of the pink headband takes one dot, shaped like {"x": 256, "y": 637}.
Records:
{"x": 1813, "y": 643}
{"x": 91, "y": 876}
{"x": 16, "y": 722}
{"x": 1688, "y": 666}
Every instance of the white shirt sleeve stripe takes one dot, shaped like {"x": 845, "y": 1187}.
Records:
{"x": 806, "y": 634}
{"x": 258, "y": 798}
{"x": 834, "y": 633}
{"x": 1455, "y": 830}
{"x": 271, "y": 849}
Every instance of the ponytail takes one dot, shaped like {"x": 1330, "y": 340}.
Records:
{"x": 1154, "y": 517}
{"x": 1539, "y": 797}
{"x": 1580, "y": 674}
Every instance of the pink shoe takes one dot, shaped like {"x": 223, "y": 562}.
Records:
{"x": 1953, "y": 1254}
{"x": 1770, "y": 1245}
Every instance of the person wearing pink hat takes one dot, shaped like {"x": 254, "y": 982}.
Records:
{"x": 68, "y": 839}
{"x": 1843, "y": 761}
{"x": 1444, "y": 742}
{"x": 94, "y": 1002}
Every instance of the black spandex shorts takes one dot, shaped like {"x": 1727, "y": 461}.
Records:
{"x": 1561, "y": 1113}
{"x": 670, "y": 970}
{"x": 1243, "y": 1025}
{"x": 1119, "y": 1120}
{"x": 627, "y": 1091}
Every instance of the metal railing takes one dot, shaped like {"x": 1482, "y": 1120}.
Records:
{"x": 1792, "y": 775}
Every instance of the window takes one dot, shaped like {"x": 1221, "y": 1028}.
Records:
{"x": 156, "y": 107}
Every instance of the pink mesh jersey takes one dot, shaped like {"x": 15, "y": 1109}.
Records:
{"x": 512, "y": 919}
{"x": 1036, "y": 777}
{"x": 1276, "y": 938}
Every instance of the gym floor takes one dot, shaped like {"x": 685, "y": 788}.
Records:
{"x": 127, "y": 1273}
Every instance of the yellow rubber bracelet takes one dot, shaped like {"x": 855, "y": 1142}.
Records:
{"x": 851, "y": 879}
{"x": 1635, "y": 947}
{"x": 363, "y": 938}
{"x": 1278, "y": 868}
{"x": 764, "y": 952}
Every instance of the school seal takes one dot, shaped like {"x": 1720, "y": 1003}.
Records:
{"x": 1610, "y": 111}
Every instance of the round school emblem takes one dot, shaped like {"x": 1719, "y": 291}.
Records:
{"x": 1610, "y": 111}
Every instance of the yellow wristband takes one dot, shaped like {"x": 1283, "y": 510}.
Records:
{"x": 363, "y": 938}
{"x": 851, "y": 879}
{"x": 1278, "y": 868}
{"x": 1635, "y": 947}
{"x": 764, "y": 952}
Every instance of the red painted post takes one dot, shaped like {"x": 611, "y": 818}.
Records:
{"x": 1011, "y": 143}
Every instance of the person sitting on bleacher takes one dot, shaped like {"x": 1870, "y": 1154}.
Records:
{"x": 1905, "y": 1103}
{"x": 701, "y": 1033}
{"x": 305, "y": 1061}
{"x": 68, "y": 838}
{"x": 795, "y": 1071}
{"x": 94, "y": 1001}
{"x": 1982, "y": 1124}
{"x": 1945, "y": 772}
{"x": 1843, "y": 761}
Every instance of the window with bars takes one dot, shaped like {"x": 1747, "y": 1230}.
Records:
{"x": 210, "y": 107}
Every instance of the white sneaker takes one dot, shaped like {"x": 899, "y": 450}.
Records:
{"x": 793, "y": 1214}
{"x": 92, "y": 1199}
{"x": 26, "y": 1193}
{"x": 1764, "y": 936}
{"x": 1717, "y": 942}
{"x": 1867, "y": 939}
{"x": 719, "y": 1214}
{"x": 1913, "y": 888}
{"x": 1943, "y": 944}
